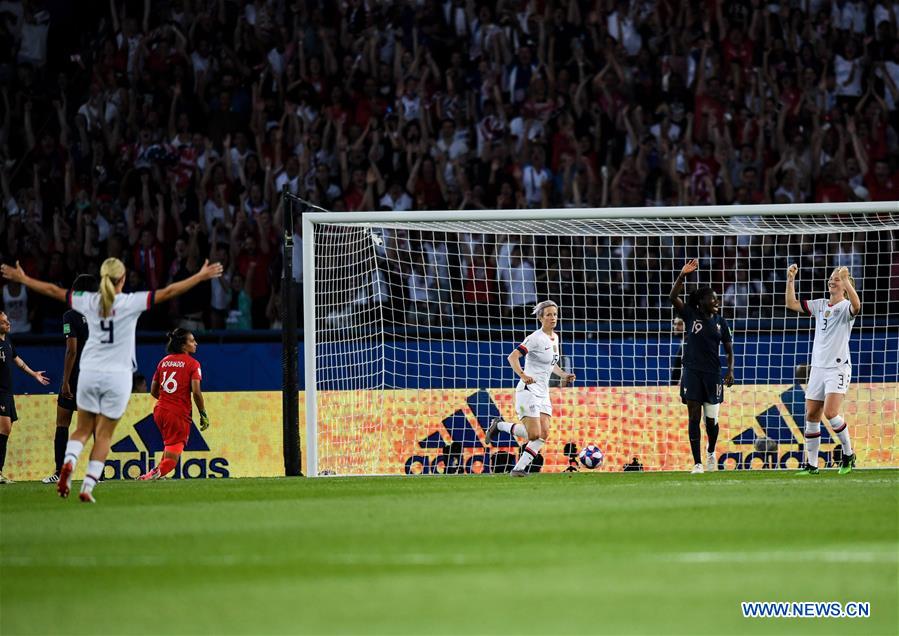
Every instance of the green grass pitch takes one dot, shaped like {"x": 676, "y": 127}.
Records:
{"x": 551, "y": 554}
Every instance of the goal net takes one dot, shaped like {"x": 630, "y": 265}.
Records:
{"x": 409, "y": 318}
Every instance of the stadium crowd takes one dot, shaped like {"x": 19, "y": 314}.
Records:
{"x": 163, "y": 131}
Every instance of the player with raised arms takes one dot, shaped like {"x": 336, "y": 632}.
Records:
{"x": 177, "y": 377}
{"x": 831, "y": 371}
{"x": 108, "y": 359}
{"x": 74, "y": 329}
{"x": 542, "y": 351}
{"x": 701, "y": 386}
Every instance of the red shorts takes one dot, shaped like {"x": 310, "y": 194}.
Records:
{"x": 174, "y": 426}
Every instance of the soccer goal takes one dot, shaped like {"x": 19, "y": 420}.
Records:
{"x": 409, "y": 317}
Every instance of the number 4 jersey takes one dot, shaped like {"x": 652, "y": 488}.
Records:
{"x": 174, "y": 374}
{"x": 110, "y": 341}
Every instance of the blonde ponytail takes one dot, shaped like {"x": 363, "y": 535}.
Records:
{"x": 111, "y": 272}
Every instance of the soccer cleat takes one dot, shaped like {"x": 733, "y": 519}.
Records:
{"x": 711, "y": 464}
{"x": 64, "y": 485}
{"x": 847, "y": 464}
{"x": 86, "y": 497}
{"x": 697, "y": 469}
{"x": 492, "y": 429}
{"x": 5, "y": 480}
{"x": 50, "y": 479}
{"x": 519, "y": 473}
{"x": 152, "y": 475}
{"x": 807, "y": 469}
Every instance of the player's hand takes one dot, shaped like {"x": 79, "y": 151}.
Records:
{"x": 209, "y": 271}
{"x": 690, "y": 267}
{"x": 526, "y": 378}
{"x": 791, "y": 271}
{"x": 66, "y": 391}
{"x": 40, "y": 377}
{"x": 15, "y": 274}
{"x": 204, "y": 421}
{"x": 843, "y": 273}
{"x": 569, "y": 379}
{"x": 729, "y": 379}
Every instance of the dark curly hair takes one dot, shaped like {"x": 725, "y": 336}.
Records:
{"x": 177, "y": 339}
{"x": 696, "y": 296}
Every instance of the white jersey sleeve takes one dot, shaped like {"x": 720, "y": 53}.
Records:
{"x": 110, "y": 346}
{"x": 833, "y": 326}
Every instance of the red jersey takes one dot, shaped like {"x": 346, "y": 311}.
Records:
{"x": 174, "y": 374}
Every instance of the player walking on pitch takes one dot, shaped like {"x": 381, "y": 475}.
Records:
{"x": 74, "y": 328}
{"x": 8, "y": 356}
{"x": 177, "y": 377}
{"x": 701, "y": 386}
{"x": 541, "y": 351}
{"x": 108, "y": 359}
{"x": 831, "y": 367}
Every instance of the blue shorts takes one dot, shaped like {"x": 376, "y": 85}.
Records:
{"x": 696, "y": 386}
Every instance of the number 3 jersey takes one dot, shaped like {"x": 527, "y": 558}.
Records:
{"x": 174, "y": 374}
{"x": 833, "y": 324}
{"x": 110, "y": 341}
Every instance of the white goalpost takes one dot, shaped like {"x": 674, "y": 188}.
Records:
{"x": 409, "y": 317}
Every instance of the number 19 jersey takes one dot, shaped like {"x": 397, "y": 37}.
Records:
{"x": 110, "y": 341}
{"x": 174, "y": 374}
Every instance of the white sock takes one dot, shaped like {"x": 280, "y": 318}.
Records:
{"x": 812, "y": 442}
{"x": 92, "y": 477}
{"x": 842, "y": 430}
{"x": 528, "y": 454}
{"x": 518, "y": 430}
{"x": 73, "y": 450}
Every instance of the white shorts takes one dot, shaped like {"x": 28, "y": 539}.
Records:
{"x": 529, "y": 405}
{"x": 822, "y": 381}
{"x": 103, "y": 393}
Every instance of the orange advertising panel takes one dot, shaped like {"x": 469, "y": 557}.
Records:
{"x": 424, "y": 431}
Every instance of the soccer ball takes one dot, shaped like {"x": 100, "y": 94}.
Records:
{"x": 590, "y": 456}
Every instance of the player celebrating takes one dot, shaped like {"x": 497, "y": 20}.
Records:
{"x": 701, "y": 387}
{"x": 74, "y": 328}
{"x": 178, "y": 375}
{"x": 8, "y": 415}
{"x": 542, "y": 351}
{"x": 108, "y": 359}
{"x": 831, "y": 368}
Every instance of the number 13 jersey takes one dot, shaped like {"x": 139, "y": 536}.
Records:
{"x": 174, "y": 374}
{"x": 110, "y": 341}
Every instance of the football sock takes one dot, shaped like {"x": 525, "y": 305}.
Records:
{"x": 59, "y": 445}
{"x": 812, "y": 442}
{"x": 73, "y": 450}
{"x": 842, "y": 430}
{"x": 518, "y": 430}
{"x": 530, "y": 451}
{"x": 92, "y": 477}
{"x": 695, "y": 441}
{"x": 711, "y": 429}
{"x": 3, "y": 440}
{"x": 166, "y": 466}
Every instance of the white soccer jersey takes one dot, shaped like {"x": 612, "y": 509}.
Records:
{"x": 541, "y": 354}
{"x": 833, "y": 324}
{"x": 110, "y": 341}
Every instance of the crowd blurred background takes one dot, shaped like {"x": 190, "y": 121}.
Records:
{"x": 162, "y": 132}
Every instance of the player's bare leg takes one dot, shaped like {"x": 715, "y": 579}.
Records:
{"x": 535, "y": 428}
{"x": 102, "y": 442}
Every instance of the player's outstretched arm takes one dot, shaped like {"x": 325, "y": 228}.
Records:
{"x": 790, "y": 298}
{"x": 854, "y": 299}
{"x": 674, "y": 295}
{"x": 207, "y": 272}
{"x": 18, "y": 275}
{"x": 37, "y": 375}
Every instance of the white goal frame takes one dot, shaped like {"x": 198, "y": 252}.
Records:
{"x": 311, "y": 219}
